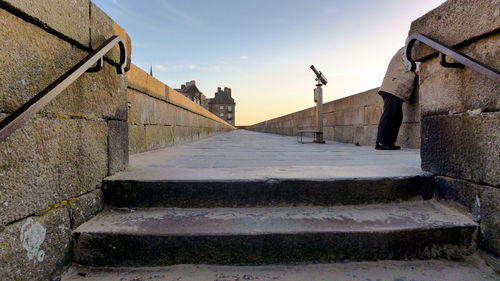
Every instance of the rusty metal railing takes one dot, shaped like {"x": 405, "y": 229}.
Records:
{"x": 31, "y": 107}
{"x": 462, "y": 59}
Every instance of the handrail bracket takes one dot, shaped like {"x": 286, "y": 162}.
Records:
{"x": 98, "y": 66}
{"x": 93, "y": 62}
{"x": 447, "y": 64}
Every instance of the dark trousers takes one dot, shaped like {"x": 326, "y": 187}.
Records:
{"x": 391, "y": 119}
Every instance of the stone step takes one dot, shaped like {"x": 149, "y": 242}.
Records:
{"x": 433, "y": 270}
{"x": 364, "y": 188}
{"x": 161, "y": 236}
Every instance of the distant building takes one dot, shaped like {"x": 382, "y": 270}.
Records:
{"x": 222, "y": 105}
{"x": 192, "y": 92}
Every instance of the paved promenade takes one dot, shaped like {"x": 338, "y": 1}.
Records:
{"x": 248, "y": 155}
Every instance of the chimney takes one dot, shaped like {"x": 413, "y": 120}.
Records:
{"x": 218, "y": 89}
{"x": 183, "y": 86}
{"x": 227, "y": 91}
{"x": 193, "y": 83}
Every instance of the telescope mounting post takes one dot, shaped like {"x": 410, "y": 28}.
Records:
{"x": 318, "y": 98}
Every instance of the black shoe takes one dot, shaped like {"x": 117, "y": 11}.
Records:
{"x": 380, "y": 146}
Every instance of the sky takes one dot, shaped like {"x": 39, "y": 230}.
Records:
{"x": 262, "y": 49}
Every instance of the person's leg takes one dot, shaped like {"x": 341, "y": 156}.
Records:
{"x": 390, "y": 121}
{"x": 384, "y": 125}
{"x": 396, "y": 118}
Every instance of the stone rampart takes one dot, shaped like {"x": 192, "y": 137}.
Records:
{"x": 353, "y": 119}
{"x": 159, "y": 116}
{"x": 51, "y": 168}
{"x": 460, "y": 113}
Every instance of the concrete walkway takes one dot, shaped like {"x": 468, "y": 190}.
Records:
{"x": 248, "y": 155}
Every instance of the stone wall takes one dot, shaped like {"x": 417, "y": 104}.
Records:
{"x": 461, "y": 113}
{"x": 51, "y": 168}
{"x": 160, "y": 116}
{"x": 353, "y": 119}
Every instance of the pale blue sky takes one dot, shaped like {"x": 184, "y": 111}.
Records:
{"x": 262, "y": 49}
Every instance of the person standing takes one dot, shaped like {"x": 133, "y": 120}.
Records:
{"x": 397, "y": 87}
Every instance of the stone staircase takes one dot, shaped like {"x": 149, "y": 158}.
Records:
{"x": 253, "y": 206}
{"x": 274, "y": 222}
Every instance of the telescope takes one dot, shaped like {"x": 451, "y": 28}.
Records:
{"x": 319, "y": 76}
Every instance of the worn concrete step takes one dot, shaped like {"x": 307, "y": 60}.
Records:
{"x": 416, "y": 229}
{"x": 433, "y": 270}
{"x": 361, "y": 188}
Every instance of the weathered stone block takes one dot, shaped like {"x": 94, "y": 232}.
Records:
{"x": 92, "y": 96}
{"x": 49, "y": 160}
{"x": 102, "y": 28}
{"x": 36, "y": 248}
{"x": 460, "y": 191}
{"x": 365, "y": 135}
{"x": 447, "y": 90}
{"x": 144, "y": 109}
{"x": 342, "y": 104}
{"x": 328, "y": 133}
{"x": 446, "y": 23}
{"x": 338, "y": 118}
{"x": 411, "y": 109}
{"x": 180, "y": 115}
{"x": 141, "y": 108}
{"x": 27, "y": 45}
{"x": 372, "y": 114}
{"x": 409, "y": 135}
{"x": 181, "y": 135}
{"x": 203, "y": 133}
{"x": 141, "y": 81}
{"x": 137, "y": 138}
{"x": 366, "y": 98}
{"x": 344, "y": 133}
{"x": 490, "y": 219}
{"x": 358, "y": 133}
{"x": 328, "y": 107}
{"x": 117, "y": 146}
{"x": 358, "y": 115}
{"x": 158, "y": 137}
{"x": 463, "y": 146}
{"x": 69, "y": 18}
{"x": 85, "y": 207}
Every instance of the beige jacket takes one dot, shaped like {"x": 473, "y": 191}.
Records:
{"x": 398, "y": 80}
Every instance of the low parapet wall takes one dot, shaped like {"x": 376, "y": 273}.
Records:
{"x": 159, "y": 116}
{"x": 353, "y": 119}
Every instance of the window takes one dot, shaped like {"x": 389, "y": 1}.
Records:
{"x": 229, "y": 108}
{"x": 221, "y": 114}
{"x": 229, "y": 115}
{"x": 221, "y": 107}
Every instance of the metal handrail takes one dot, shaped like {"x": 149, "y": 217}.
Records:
{"x": 31, "y": 107}
{"x": 462, "y": 59}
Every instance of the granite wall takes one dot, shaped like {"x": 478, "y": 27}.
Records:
{"x": 51, "y": 168}
{"x": 159, "y": 116}
{"x": 353, "y": 119}
{"x": 460, "y": 112}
